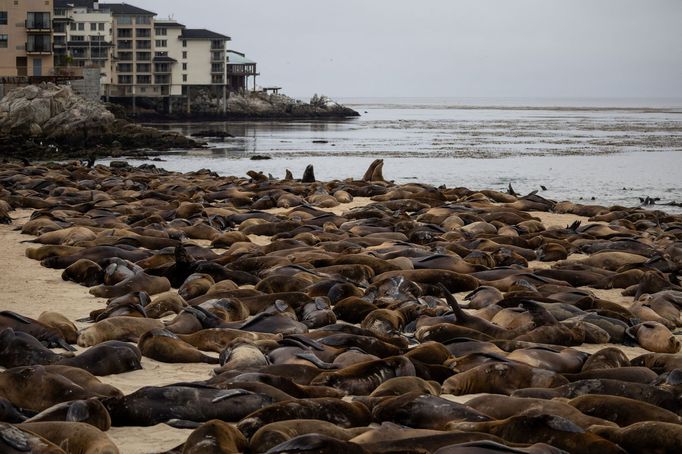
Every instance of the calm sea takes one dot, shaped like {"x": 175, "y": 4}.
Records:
{"x": 611, "y": 151}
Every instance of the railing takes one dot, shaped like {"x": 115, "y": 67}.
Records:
{"x": 38, "y": 25}
{"x": 38, "y": 48}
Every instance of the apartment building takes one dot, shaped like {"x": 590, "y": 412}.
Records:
{"x": 82, "y": 37}
{"x": 26, "y": 38}
{"x": 239, "y": 69}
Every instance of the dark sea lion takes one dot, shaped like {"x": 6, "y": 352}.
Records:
{"x": 491, "y": 447}
{"x": 361, "y": 379}
{"x": 152, "y": 405}
{"x": 642, "y": 437}
{"x": 22, "y": 349}
{"x": 627, "y": 373}
{"x": 501, "y": 378}
{"x": 89, "y": 411}
{"x": 353, "y": 309}
{"x": 50, "y": 337}
{"x": 336, "y": 411}
{"x": 424, "y": 411}
{"x": 278, "y": 432}
{"x": 654, "y": 337}
{"x": 215, "y": 436}
{"x": 107, "y": 358}
{"x": 117, "y": 328}
{"x": 621, "y": 410}
{"x": 503, "y": 407}
{"x": 139, "y": 282}
{"x": 84, "y": 272}
{"x": 454, "y": 282}
{"x": 563, "y": 433}
{"x": 164, "y": 346}
{"x": 79, "y": 437}
{"x": 16, "y": 441}
{"x": 401, "y": 439}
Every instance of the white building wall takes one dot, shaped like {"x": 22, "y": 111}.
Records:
{"x": 198, "y": 62}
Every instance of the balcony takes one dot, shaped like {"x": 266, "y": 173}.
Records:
{"x": 38, "y": 49}
{"x": 38, "y": 26}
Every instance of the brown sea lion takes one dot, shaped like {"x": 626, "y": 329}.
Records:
{"x": 398, "y": 386}
{"x": 61, "y": 323}
{"x": 610, "y": 357}
{"x": 654, "y": 337}
{"x": 117, "y": 328}
{"x": 642, "y": 437}
{"x": 196, "y": 284}
{"x": 503, "y": 407}
{"x": 361, "y": 379}
{"x": 16, "y": 441}
{"x": 89, "y": 411}
{"x": 499, "y": 378}
{"x": 216, "y": 339}
{"x": 139, "y": 282}
{"x": 621, "y": 410}
{"x": 76, "y": 436}
{"x": 84, "y": 272}
{"x": 659, "y": 362}
{"x": 278, "y": 432}
{"x": 215, "y": 436}
{"x": 84, "y": 379}
{"x": 563, "y": 433}
{"x": 164, "y": 346}
{"x": 107, "y": 358}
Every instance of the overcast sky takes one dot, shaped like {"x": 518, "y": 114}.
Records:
{"x": 453, "y": 48}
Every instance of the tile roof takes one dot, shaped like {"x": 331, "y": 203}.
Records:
{"x": 124, "y": 8}
{"x": 202, "y": 33}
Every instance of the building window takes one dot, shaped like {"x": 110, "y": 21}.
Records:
{"x": 124, "y": 33}
{"x": 144, "y": 68}
{"x": 161, "y": 31}
{"x": 93, "y": 27}
{"x": 124, "y": 20}
{"x": 144, "y": 20}
{"x": 184, "y": 66}
{"x": 143, "y": 33}
{"x": 124, "y": 68}
{"x": 184, "y": 54}
{"x": 97, "y": 38}
{"x": 81, "y": 26}
{"x": 161, "y": 43}
{"x": 184, "y": 43}
{"x": 143, "y": 56}
{"x": 73, "y": 26}
{"x": 125, "y": 56}
{"x": 143, "y": 44}
{"x": 184, "y": 77}
{"x": 3, "y": 17}
{"x": 38, "y": 21}
{"x": 78, "y": 38}
{"x": 3, "y": 41}
{"x": 100, "y": 26}
{"x": 144, "y": 79}
{"x": 125, "y": 79}
{"x": 161, "y": 54}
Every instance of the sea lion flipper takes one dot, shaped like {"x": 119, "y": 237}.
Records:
{"x": 15, "y": 438}
{"x": 228, "y": 393}
{"x": 182, "y": 424}
{"x": 65, "y": 345}
{"x": 16, "y": 316}
{"x": 316, "y": 361}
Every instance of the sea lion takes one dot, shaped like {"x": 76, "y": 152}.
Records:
{"x": 500, "y": 378}
{"x": 84, "y": 272}
{"x": 563, "y": 433}
{"x": 84, "y": 379}
{"x": 566, "y": 360}
{"x": 61, "y": 323}
{"x": 215, "y": 436}
{"x": 19, "y": 385}
{"x": 216, "y": 339}
{"x": 491, "y": 447}
{"x": 316, "y": 443}
{"x": 50, "y": 337}
{"x": 195, "y": 285}
{"x": 107, "y": 358}
{"x": 16, "y": 441}
{"x": 336, "y": 411}
{"x": 76, "y": 436}
{"x": 503, "y": 407}
{"x": 627, "y": 373}
{"x": 141, "y": 281}
{"x": 152, "y": 405}
{"x": 654, "y": 337}
{"x": 361, "y": 379}
{"x": 164, "y": 346}
{"x": 424, "y": 411}
{"x": 621, "y": 410}
{"x": 278, "y": 432}
{"x": 659, "y": 362}
{"x": 610, "y": 357}
{"x": 398, "y": 386}
{"x": 642, "y": 436}
{"x": 22, "y": 349}
{"x": 308, "y": 174}
{"x": 117, "y": 328}
{"x": 89, "y": 411}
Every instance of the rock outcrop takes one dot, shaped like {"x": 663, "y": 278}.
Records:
{"x": 55, "y": 118}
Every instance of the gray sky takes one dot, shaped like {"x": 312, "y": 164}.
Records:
{"x": 453, "y": 48}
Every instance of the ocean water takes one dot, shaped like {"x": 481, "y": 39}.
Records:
{"x": 596, "y": 151}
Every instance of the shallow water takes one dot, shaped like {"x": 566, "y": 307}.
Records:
{"x": 578, "y": 150}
